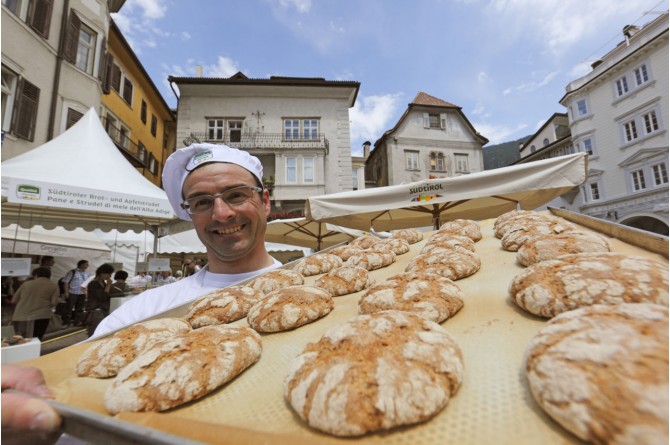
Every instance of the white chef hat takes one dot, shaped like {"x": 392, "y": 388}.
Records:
{"x": 185, "y": 160}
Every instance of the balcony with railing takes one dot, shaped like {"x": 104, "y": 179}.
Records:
{"x": 136, "y": 154}
{"x": 261, "y": 141}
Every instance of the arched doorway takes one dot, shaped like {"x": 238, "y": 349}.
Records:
{"x": 647, "y": 223}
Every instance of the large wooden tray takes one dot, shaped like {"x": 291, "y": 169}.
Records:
{"x": 493, "y": 406}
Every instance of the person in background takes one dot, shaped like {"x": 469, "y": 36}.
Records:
{"x": 74, "y": 294}
{"x": 179, "y": 275}
{"x": 119, "y": 287}
{"x": 190, "y": 267}
{"x": 25, "y": 417}
{"x": 165, "y": 277}
{"x": 47, "y": 261}
{"x": 98, "y": 298}
{"x": 220, "y": 190}
{"x": 34, "y": 302}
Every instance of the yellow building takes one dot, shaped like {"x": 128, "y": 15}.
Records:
{"x": 136, "y": 116}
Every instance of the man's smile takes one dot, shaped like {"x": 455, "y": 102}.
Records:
{"x": 229, "y": 230}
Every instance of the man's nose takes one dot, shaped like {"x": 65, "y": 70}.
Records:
{"x": 222, "y": 210}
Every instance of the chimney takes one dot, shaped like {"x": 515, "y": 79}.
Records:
{"x": 595, "y": 64}
{"x": 366, "y": 149}
{"x": 629, "y": 31}
{"x": 198, "y": 71}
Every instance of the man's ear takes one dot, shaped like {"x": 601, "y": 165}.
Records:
{"x": 266, "y": 202}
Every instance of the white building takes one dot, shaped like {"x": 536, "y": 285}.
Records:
{"x": 53, "y": 61}
{"x": 432, "y": 139}
{"x": 618, "y": 114}
{"x": 297, "y": 127}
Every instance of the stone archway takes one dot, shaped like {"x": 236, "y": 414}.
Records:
{"x": 647, "y": 223}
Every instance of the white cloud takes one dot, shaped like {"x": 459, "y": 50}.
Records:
{"x": 185, "y": 35}
{"x": 497, "y": 134}
{"x": 225, "y": 67}
{"x": 371, "y": 116}
{"x": 528, "y": 87}
{"x": 581, "y": 69}
{"x": 302, "y": 6}
{"x": 482, "y": 77}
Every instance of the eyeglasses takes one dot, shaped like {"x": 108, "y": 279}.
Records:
{"x": 233, "y": 197}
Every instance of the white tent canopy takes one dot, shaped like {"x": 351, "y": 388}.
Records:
{"x": 57, "y": 242}
{"x": 475, "y": 196}
{"x": 80, "y": 179}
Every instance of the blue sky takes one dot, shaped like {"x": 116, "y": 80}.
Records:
{"x": 505, "y": 62}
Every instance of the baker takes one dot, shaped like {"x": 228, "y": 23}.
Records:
{"x": 220, "y": 190}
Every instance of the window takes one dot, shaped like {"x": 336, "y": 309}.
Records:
{"x": 9, "y": 83}
{"x": 115, "y": 81}
{"x": 587, "y": 145}
{"x": 660, "y": 173}
{"x": 86, "y": 49}
{"x": 437, "y": 162}
{"x": 291, "y": 170}
{"x": 310, "y": 129}
{"x": 434, "y": 120}
{"x": 128, "y": 91}
{"x": 141, "y": 152}
{"x": 532, "y": 148}
{"x": 294, "y": 128}
{"x": 638, "y": 180}
{"x": 412, "y": 160}
{"x": 36, "y": 14}
{"x": 124, "y": 136}
{"x": 215, "y": 129}
{"x": 235, "y": 131}
{"x": 461, "y": 163}
{"x": 545, "y": 142}
{"x": 73, "y": 117}
{"x": 154, "y": 125}
{"x": 25, "y": 113}
{"x": 650, "y": 122}
{"x": 631, "y": 131}
{"x": 308, "y": 170}
{"x": 641, "y": 75}
{"x": 581, "y": 107}
{"x": 143, "y": 112}
{"x": 153, "y": 164}
{"x": 291, "y": 129}
{"x": 594, "y": 191}
{"x": 354, "y": 178}
{"x": 621, "y": 86}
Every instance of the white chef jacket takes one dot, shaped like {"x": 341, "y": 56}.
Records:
{"x": 163, "y": 298}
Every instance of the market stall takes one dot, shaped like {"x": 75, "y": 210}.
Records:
{"x": 493, "y": 404}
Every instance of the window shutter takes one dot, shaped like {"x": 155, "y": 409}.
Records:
{"x": 72, "y": 38}
{"x": 25, "y": 114}
{"x": 115, "y": 80}
{"x": 102, "y": 69}
{"x": 443, "y": 121}
{"x": 128, "y": 91}
{"x": 73, "y": 117}
{"x": 107, "y": 77}
{"x": 40, "y": 16}
{"x": 426, "y": 120}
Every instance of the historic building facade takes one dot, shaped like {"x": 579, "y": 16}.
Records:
{"x": 432, "y": 139}
{"x": 297, "y": 127}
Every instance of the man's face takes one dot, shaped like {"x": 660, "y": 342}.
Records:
{"x": 230, "y": 233}
{"x": 84, "y": 266}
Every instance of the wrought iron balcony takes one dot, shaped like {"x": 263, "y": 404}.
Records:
{"x": 136, "y": 154}
{"x": 262, "y": 141}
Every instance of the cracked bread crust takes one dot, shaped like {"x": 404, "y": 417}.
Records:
{"x": 412, "y": 236}
{"x": 602, "y": 372}
{"x": 317, "y": 264}
{"x": 431, "y": 296}
{"x": 454, "y": 264}
{"x": 550, "y": 247}
{"x": 364, "y": 242}
{"x": 289, "y": 308}
{"x": 572, "y": 281}
{"x": 372, "y": 259}
{"x": 222, "y": 306}
{"x": 524, "y": 216}
{"x": 345, "y": 280}
{"x": 108, "y": 356}
{"x": 520, "y": 232}
{"x": 375, "y": 372}
{"x": 464, "y": 227}
{"x": 277, "y": 279}
{"x": 398, "y": 246}
{"x": 345, "y": 252}
{"x": 448, "y": 241}
{"x": 183, "y": 369}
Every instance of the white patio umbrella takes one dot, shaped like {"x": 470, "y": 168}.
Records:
{"x": 308, "y": 233}
{"x": 432, "y": 201}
